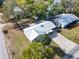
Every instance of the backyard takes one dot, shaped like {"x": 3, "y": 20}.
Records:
{"x": 71, "y": 34}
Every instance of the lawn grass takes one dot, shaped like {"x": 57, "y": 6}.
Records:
{"x": 71, "y": 34}
{"x": 18, "y": 42}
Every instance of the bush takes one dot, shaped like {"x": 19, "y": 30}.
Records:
{"x": 37, "y": 51}
{"x": 44, "y": 39}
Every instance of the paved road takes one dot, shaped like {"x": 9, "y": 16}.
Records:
{"x": 3, "y": 51}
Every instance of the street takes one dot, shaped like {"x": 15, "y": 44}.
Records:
{"x": 3, "y": 51}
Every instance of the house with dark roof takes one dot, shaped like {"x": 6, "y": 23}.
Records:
{"x": 65, "y": 20}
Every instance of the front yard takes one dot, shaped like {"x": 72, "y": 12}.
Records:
{"x": 16, "y": 43}
{"x": 71, "y": 34}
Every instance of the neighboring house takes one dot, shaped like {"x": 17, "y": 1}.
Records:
{"x": 65, "y": 20}
{"x": 42, "y": 28}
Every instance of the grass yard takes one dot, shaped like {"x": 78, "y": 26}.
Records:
{"x": 16, "y": 43}
{"x": 71, "y": 34}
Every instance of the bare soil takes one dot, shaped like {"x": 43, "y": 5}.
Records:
{"x": 17, "y": 42}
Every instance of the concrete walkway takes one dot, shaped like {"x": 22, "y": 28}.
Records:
{"x": 65, "y": 44}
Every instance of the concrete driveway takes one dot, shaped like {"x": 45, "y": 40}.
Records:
{"x": 65, "y": 44}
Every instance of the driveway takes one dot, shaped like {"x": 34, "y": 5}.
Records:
{"x": 65, "y": 44}
{"x": 3, "y": 51}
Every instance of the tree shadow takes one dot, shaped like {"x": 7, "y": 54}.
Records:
{"x": 53, "y": 35}
{"x": 58, "y": 51}
{"x": 71, "y": 27}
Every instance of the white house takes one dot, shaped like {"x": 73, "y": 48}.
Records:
{"x": 42, "y": 28}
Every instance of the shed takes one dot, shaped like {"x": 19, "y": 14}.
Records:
{"x": 42, "y": 28}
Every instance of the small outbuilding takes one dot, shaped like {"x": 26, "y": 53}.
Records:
{"x": 65, "y": 20}
{"x": 42, "y": 28}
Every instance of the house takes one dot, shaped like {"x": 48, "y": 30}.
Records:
{"x": 65, "y": 20}
{"x": 42, "y": 28}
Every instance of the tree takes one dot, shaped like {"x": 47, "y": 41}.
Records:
{"x": 69, "y": 5}
{"x": 37, "y": 50}
{"x": 32, "y": 8}
{"x": 76, "y": 9}
{"x": 29, "y": 1}
{"x": 50, "y": 1}
{"x": 44, "y": 39}
{"x": 56, "y": 9}
{"x": 21, "y": 2}
{"x": 8, "y": 7}
{"x": 40, "y": 10}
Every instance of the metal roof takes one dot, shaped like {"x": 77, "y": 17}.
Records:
{"x": 41, "y": 28}
{"x": 65, "y": 19}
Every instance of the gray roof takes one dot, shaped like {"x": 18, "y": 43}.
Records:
{"x": 42, "y": 28}
{"x": 65, "y": 19}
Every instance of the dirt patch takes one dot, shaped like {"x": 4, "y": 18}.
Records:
{"x": 16, "y": 41}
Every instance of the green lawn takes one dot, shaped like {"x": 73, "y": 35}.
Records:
{"x": 71, "y": 34}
